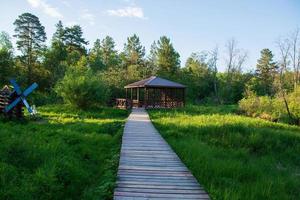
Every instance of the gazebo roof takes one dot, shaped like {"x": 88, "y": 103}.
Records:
{"x": 155, "y": 81}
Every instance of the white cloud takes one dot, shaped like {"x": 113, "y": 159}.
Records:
{"x": 89, "y": 17}
{"x": 34, "y": 3}
{"x": 66, "y": 3}
{"x": 45, "y": 7}
{"x": 130, "y": 11}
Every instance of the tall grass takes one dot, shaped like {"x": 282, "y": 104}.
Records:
{"x": 232, "y": 156}
{"x": 68, "y": 154}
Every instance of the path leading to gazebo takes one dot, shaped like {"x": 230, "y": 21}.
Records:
{"x": 148, "y": 168}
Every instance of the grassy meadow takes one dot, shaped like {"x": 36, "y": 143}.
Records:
{"x": 234, "y": 157}
{"x": 66, "y": 154}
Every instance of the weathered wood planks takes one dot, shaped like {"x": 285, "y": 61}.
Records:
{"x": 149, "y": 168}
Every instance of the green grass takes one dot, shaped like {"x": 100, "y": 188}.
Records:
{"x": 232, "y": 156}
{"x": 67, "y": 154}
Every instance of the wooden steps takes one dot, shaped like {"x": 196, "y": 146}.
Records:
{"x": 149, "y": 168}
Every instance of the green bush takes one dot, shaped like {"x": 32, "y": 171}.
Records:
{"x": 83, "y": 89}
{"x": 294, "y": 102}
{"x": 43, "y": 98}
{"x": 272, "y": 109}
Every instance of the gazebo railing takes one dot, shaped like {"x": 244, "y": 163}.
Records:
{"x": 123, "y": 103}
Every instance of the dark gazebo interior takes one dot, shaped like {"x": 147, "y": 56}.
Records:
{"x": 153, "y": 92}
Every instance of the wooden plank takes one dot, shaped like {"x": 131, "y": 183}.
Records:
{"x": 149, "y": 168}
{"x": 171, "y": 187}
{"x": 145, "y": 198}
{"x": 151, "y": 195}
{"x": 159, "y": 190}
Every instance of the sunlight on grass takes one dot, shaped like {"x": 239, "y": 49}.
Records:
{"x": 67, "y": 154}
{"x": 232, "y": 156}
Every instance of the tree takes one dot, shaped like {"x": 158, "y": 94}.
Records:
{"x": 284, "y": 48}
{"x": 95, "y": 59}
{"x": 132, "y": 58}
{"x": 266, "y": 70}
{"x": 134, "y": 51}
{"x": 152, "y": 67}
{"x": 5, "y": 42}
{"x": 235, "y": 60}
{"x": 6, "y": 58}
{"x": 294, "y": 55}
{"x": 58, "y": 36}
{"x": 82, "y": 88}
{"x": 30, "y": 36}
{"x": 73, "y": 39}
{"x": 108, "y": 52}
{"x": 197, "y": 76}
{"x": 168, "y": 62}
{"x": 103, "y": 55}
{"x": 55, "y": 61}
{"x": 212, "y": 63}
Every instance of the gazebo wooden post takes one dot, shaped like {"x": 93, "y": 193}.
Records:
{"x": 138, "y": 96}
{"x": 131, "y": 94}
{"x": 145, "y": 97}
{"x": 183, "y": 96}
{"x": 165, "y": 92}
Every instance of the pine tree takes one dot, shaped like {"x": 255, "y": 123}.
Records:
{"x": 73, "y": 39}
{"x": 5, "y": 42}
{"x": 6, "y": 58}
{"x": 103, "y": 55}
{"x": 134, "y": 51}
{"x": 30, "y": 36}
{"x": 95, "y": 59}
{"x": 152, "y": 59}
{"x": 265, "y": 70}
{"x": 108, "y": 52}
{"x": 58, "y": 36}
{"x": 167, "y": 58}
{"x": 97, "y": 47}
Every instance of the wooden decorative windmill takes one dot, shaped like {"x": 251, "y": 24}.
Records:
{"x": 12, "y": 100}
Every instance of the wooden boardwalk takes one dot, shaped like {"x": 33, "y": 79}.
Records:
{"x": 148, "y": 168}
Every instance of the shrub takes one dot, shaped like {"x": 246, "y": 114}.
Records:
{"x": 43, "y": 98}
{"x": 294, "y": 102}
{"x": 272, "y": 109}
{"x": 261, "y": 107}
{"x": 82, "y": 88}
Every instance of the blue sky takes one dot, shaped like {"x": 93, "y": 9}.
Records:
{"x": 192, "y": 25}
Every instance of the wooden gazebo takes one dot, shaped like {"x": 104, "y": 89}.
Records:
{"x": 153, "y": 92}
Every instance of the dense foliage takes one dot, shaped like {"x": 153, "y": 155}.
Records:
{"x": 272, "y": 108}
{"x": 83, "y": 89}
{"x": 232, "y": 156}
{"x": 107, "y": 70}
{"x": 71, "y": 154}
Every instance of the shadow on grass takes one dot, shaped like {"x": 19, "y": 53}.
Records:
{"x": 235, "y": 157}
{"x": 65, "y": 155}
{"x": 193, "y": 110}
{"x": 97, "y": 113}
{"x": 257, "y": 140}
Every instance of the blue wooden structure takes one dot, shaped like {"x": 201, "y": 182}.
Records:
{"x": 13, "y": 99}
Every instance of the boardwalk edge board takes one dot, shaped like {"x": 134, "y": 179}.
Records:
{"x": 149, "y": 168}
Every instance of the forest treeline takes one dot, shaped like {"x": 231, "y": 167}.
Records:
{"x": 67, "y": 68}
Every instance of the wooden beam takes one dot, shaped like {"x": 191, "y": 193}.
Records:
{"x": 138, "y": 96}
{"x": 145, "y": 97}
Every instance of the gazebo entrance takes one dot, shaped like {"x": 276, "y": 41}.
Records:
{"x": 153, "y": 92}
